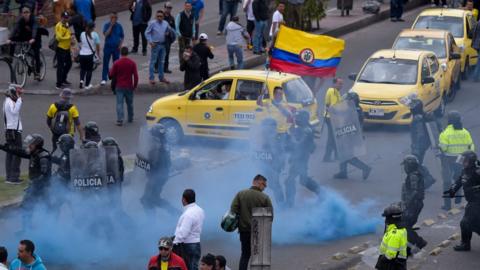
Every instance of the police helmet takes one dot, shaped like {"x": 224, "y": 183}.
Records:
{"x": 34, "y": 140}
{"x": 394, "y": 210}
{"x": 416, "y": 106}
{"x": 455, "y": 119}
{"x": 468, "y": 159}
{"x": 91, "y": 127}
{"x": 157, "y": 130}
{"x": 302, "y": 118}
{"x": 66, "y": 142}
{"x": 354, "y": 97}
{"x": 410, "y": 163}
{"x": 90, "y": 145}
{"x": 229, "y": 222}
{"x": 109, "y": 141}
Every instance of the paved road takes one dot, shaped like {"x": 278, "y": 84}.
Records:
{"x": 216, "y": 180}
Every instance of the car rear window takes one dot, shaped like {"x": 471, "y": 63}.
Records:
{"x": 436, "y": 45}
{"x": 452, "y": 24}
{"x": 297, "y": 91}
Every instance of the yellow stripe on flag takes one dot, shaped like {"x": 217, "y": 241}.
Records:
{"x": 295, "y": 41}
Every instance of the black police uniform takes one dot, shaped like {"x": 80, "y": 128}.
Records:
{"x": 413, "y": 193}
{"x": 470, "y": 181}
{"x": 302, "y": 145}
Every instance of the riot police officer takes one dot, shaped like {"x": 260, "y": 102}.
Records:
{"x": 92, "y": 132}
{"x": 157, "y": 165}
{"x": 269, "y": 153}
{"x": 470, "y": 181}
{"x": 302, "y": 145}
{"x": 62, "y": 174}
{"x": 413, "y": 193}
{"x": 393, "y": 250}
{"x": 453, "y": 141}
{"x": 39, "y": 172}
{"x": 420, "y": 141}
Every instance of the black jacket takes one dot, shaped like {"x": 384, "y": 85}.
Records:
{"x": 204, "y": 52}
{"x": 260, "y": 10}
{"x": 63, "y": 170}
{"x": 186, "y": 24}
{"x": 470, "y": 181}
{"x": 40, "y": 166}
{"x": 146, "y": 10}
{"x": 192, "y": 71}
{"x": 24, "y": 31}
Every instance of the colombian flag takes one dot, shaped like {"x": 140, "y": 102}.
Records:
{"x": 306, "y": 54}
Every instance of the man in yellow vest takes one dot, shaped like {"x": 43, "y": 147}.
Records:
{"x": 393, "y": 249}
{"x": 453, "y": 141}
{"x": 332, "y": 97}
{"x": 64, "y": 58}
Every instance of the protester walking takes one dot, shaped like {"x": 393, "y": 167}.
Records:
{"x": 113, "y": 32}
{"x": 260, "y": 11}
{"x": 198, "y": 7}
{"x": 236, "y": 36}
{"x": 86, "y": 8}
{"x": 27, "y": 259}
{"x": 63, "y": 118}
{"x": 124, "y": 73}
{"x": 189, "y": 229}
{"x": 229, "y": 7}
{"x": 13, "y": 132}
{"x": 204, "y": 52}
{"x": 277, "y": 19}
{"x": 242, "y": 206}
{"x": 157, "y": 32}
{"x": 185, "y": 28}
{"x": 166, "y": 259}
{"x": 141, "y": 13}
{"x": 170, "y": 40}
{"x": 3, "y": 258}
{"x": 63, "y": 36}
{"x": 476, "y": 46}
{"x": 89, "y": 52}
{"x": 190, "y": 64}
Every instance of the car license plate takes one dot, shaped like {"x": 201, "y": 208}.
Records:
{"x": 376, "y": 112}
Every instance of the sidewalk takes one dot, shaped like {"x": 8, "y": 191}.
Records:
{"x": 333, "y": 24}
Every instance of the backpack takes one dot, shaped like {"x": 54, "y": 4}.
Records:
{"x": 61, "y": 120}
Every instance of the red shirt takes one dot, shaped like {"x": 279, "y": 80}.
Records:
{"x": 175, "y": 263}
{"x": 125, "y": 71}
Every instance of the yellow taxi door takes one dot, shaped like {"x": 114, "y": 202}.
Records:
{"x": 243, "y": 108}
{"x": 208, "y": 109}
{"x": 471, "y": 52}
{"x": 426, "y": 89}
{"x": 454, "y": 67}
{"x": 440, "y": 84}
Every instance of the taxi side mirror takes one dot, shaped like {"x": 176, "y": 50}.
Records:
{"x": 455, "y": 56}
{"x": 444, "y": 67}
{"x": 353, "y": 76}
{"x": 428, "y": 80}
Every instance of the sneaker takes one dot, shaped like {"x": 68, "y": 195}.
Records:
{"x": 17, "y": 182}
{"x": 103, "y": 82}
{"x": 219, "y": 33}
{"x": 400, "y": 20}
{"x": 81, "y": 85}
{"x": 134, "y": 50}
{"x": 119, "y": 123}
{"x": 58, "y": 87}
{"x": 88, "y": 87}
{"x": 167, "y": 71}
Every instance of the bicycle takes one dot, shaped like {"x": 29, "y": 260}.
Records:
{"x": 24, "y": 63}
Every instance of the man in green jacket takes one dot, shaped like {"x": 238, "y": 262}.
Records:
{"x": 243, "y": 205}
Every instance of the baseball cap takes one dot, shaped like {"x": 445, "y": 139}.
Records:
{"x": 165, "y": 242}
{"x": 66, "y": 93}
{"x": 203, "y": 36}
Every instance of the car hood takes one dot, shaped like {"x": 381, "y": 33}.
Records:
{"x": 169, "y": 99}
{"x": 383, "y": 91}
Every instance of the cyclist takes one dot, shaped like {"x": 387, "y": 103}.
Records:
{"x": 25, "y": 30}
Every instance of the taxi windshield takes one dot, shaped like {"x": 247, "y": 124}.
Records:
{"x": 452, "y": 24}
{"x": 436, "y": 45}
{"x": 297, "y": 91}
{"x": 389, "y": 71}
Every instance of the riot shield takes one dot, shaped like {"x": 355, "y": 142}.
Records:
{"x": 114, "y": 176}
{"x": 347, "y": 130}
{"x": 88, "y": 169}
{"x": 144, "y": 145}
{"x": 433, "y": 133}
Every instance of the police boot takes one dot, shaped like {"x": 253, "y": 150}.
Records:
{"x": 462, "y": 247}
{"x": 340, "y": 175}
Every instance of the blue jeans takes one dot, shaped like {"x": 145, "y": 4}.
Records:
{"x": 237, "y": 50}
{"x": 258, "y": 35}
{"x": 127, "y": 95}
{"x": 158, "y": 55}
{"x": 476, "y": 72}
{"x": 228, "y": 7}
{"x": 108, "y": 53}
{"x": 192, "y": 253}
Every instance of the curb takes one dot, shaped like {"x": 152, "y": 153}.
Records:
{"x": 249, "y": 62}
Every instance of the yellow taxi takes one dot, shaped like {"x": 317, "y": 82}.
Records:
{"x": 226, "y": 105}
{"x": 460, "y": 23}
{"x": 443, "y": 45}
{"x": 391, "y": 78}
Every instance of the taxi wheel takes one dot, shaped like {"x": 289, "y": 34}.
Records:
{"x": 466, "y": 70}
{"x": 173, "y": 131}
{"x": 440, "y": 111}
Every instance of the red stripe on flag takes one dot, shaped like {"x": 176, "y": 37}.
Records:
{"x": 302, "y": 70}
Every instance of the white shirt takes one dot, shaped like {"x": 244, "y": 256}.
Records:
{"x": 3, "y": 267}
{"x": 11, "y": 111}
{"x": 189, "y": 226}
{"x": 84, "y": 48}
{"x": 277, "y": 18}
{"x": 250, "y": 15}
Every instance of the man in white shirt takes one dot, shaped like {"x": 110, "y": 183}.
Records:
{"x": 277, "y": 19}
{"x": 3, "y": 258}
{"x": 247, "y": 7}
{"x": 189, "y": 228}
{"x": 13, "y": 131}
